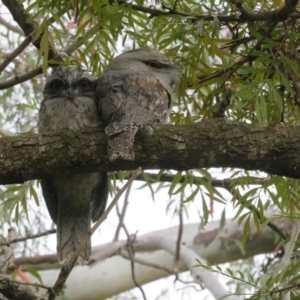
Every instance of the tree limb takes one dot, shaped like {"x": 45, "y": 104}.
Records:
{"x": 213, "y": 143}
{"x": 209, "y": 243}
{"x": 276, "y": 15}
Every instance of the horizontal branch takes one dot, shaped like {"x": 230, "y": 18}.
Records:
{"x": 287, "y": 11}
{"x": 214, "y": 143}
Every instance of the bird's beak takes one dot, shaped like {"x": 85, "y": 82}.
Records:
{"x": 70, "y": 93}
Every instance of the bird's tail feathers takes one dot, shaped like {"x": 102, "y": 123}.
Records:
{"x": 72, "y": 231}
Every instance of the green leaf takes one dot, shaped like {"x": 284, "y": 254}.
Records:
{"x": 34, "y": 195}
{"x": 175, "y": 181}
{"x": 35, "y": 274}
{"x": 191, "y": 196}
{"x": 223, "y": 220}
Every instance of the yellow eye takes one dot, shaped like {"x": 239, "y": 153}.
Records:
{"x": 56, "y": 85}
{"x": 84, "y": 84}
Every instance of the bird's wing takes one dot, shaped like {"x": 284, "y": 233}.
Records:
{"x": 99, "y": 197}
{"x": 127, "y": 99}
{"x": 50, "y": 196}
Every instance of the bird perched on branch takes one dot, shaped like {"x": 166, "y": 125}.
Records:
{"x": 75, "y": 198}
{"x": 134, "y": 92}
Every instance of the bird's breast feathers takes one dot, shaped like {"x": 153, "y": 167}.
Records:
{"x": 63, "y": 113}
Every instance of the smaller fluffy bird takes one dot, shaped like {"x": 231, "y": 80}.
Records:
{"x": 135, "y": 91}
{"x": 73, "y": 198}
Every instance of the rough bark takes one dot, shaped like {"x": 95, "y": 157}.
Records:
{"x": 213, "y": 143}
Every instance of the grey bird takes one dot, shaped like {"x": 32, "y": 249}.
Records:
{"x": 73, "y": 199}
{"x": 135, "y": 92}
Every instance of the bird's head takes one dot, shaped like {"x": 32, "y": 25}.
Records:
{"x": 147, "y": 60}
{"x": 69, "y": 83}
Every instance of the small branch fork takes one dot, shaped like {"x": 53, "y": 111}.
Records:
{"x": 179, "y": 237}
{"x": 129, "y": 247}
{"x": 130, "y": 239}
{"x": 29, "y": 237}
{"x": 122, "y": 214}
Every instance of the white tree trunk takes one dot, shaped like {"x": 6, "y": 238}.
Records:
{"x": 110, "y": 273}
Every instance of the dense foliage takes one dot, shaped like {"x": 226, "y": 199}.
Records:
{"x": 238, "y": 59}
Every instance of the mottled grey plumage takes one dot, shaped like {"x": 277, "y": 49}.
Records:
{"x": 73, "y": 199}
{"x": 135, "y": 91}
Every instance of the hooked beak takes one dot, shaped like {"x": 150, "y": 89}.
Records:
{"x": 70, "y": 93}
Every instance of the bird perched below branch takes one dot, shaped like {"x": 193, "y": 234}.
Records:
{"x": 74, "y": 198}
{"x": 134, "y": 92}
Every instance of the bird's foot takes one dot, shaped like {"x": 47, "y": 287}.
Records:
{"x": 121, "y": 155}
{"x": 145, "y": 130}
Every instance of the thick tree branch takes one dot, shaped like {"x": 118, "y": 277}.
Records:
{"x": 273, "y": 16}
{"x": 17, "y": 11}
{"x": 214, "y": 143}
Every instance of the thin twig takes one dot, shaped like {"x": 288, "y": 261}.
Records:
{"x": 220, "y": 183}
{"x": 19, "y": 79}
{"x": 226, "y": 98}
{"x": 230, "y": 70}
{"x": 22, "y": 17}
{"x": 179, "y": 237}
{"x": 10, "y": 57}
{"x": 145, "y": 262}
{"x": 39, "y": 70}
{"x": 29, "y": 237}
{"x": 175, "y": 5}
{"x": 275, "y": 17}
{"x": 122, "y": 215}
{"x": 151, "y": 264}
{"x": 262, "y": 219}
{"x": 66, "y": 270}
{"x": 32, "y": 284}
{"x": 129, "y": 247}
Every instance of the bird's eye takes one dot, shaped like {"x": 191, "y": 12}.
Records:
{"x": 56, "y": 85}
{"x": 154, "y": 64}
{"x": 84, "y": 84}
